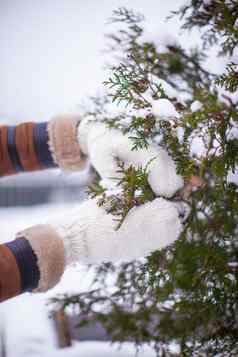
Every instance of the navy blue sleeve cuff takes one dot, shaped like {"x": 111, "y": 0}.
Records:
{"x": 27, "y": 263}
{"x": 41, "y": 141}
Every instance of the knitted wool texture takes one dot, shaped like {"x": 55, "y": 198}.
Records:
{"x": 89, "y": 234}
{"x": 103, "y": 145}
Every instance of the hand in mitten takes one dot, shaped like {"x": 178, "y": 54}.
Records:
{"x": 88, "y": 235}
{"x": 103, "y": 145}
{"x": 37, "y": 146}
{"x": 38, "y": 257}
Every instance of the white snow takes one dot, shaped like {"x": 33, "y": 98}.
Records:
{"x": 180, "y": 133}
{"x": 233, "y": 131}
{"x": 233, "y": 264}
{"x": 231, "y": 277}
{"x": 195, "y": 106}
{"x": 170, "y": 91}
{"x": 234, "y": 57}
{"x": 207, "y": 2}
{"x": 164, "y": 109}
{"x": 229, "y": 3}
{"x": 36, "y": 336}
{"x": 111, "y": 186}
{"x": 26, "y": 327}
{"x": 174, "y": 348}
{"x": 103, "y": 349}
{"x": 197, "y": 147}
{"x": 236, "y": 24}
{"x": 232, "y": 177}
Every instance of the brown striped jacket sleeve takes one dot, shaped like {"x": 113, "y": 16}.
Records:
{"x": 10, "y": 281}
{"x": 24, "y": 148}
{"x": 36, "y": 146}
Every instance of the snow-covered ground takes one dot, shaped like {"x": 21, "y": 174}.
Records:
{"x": 27, "y": 331}
{"x": 40, "y": 340}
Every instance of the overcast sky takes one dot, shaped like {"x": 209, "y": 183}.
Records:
{"x": 51, "y": 51}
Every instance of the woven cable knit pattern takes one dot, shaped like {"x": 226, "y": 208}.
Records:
{"x": 103, "y": 145}
{"x": 89, "y": 234}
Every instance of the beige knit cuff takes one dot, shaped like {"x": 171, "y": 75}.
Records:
{"x": 49, "y": 249}
{"x": 64, "y": 144}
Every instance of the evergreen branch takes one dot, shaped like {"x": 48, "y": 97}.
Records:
{"x": 229, "y": 80}
{"x": 187, "y": 292}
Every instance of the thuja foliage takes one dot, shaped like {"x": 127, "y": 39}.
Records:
{"x": 216, "y": 17}
{"x": 135, "y": 190}
{"x": 187, "y": 293}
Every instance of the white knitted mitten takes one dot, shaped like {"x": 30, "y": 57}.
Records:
{"x": 89, "y": 233}
{"x": 103, "y": 145}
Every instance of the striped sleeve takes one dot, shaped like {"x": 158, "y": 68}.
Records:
{"x": 38, "y": 146}
{"x": 18, "y": 268}
{"x": 24, "y": 148}
{"x": 33, "y": 262}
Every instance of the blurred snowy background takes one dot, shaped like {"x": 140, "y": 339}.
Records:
{"x": 51, "y": 59}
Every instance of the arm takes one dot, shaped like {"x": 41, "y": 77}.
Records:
{"x": 37, "y": 146}
{"x": 29, "y": 147}
{"x": 37, "y": 258}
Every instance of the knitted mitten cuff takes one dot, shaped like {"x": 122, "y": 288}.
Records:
{"x": 63, "y": 142}
{"x": 49, "y": 250}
